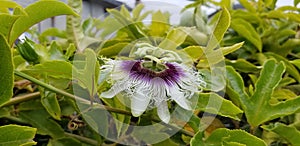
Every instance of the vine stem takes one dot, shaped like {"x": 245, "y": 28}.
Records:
{"x": 83, "y": 139}
{"x": 74, "y": 97}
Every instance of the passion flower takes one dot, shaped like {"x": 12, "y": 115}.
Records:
{"x": 147, "y": 85}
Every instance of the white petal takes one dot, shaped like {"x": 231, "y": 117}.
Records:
{"x": 114, "y": 90}
{"x": 139, "y": 103}
{"x": 179, "y": 97}
{"x": 163, "y": 112}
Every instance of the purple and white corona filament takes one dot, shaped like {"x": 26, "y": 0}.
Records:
{"x": 148, "y": 84}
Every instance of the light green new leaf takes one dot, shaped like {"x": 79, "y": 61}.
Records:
{"x": 159, "y": 25}
{"x": 221, "y": 27}
{"x": 230, "y": 49}
{"x": 174, "y": 39}
{"x": 222, "y": 136}
{"x": 215, "y": 104}
{"x": 50, "y": 102}
{"x": 13, "y": 135}
{"x": 289, "y": 133}
{"x": 194, "y": 51}
{"x": 246, "y": 30}
{"x": 34, "y": 15}
{"x": 6, "y": 71}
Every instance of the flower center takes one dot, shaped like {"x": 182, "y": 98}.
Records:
{"x": 148, "y": 70}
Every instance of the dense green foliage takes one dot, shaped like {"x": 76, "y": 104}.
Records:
{"x": 249, "y": 58}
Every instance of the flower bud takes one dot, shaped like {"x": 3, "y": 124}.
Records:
{"x": 26, "y": 50}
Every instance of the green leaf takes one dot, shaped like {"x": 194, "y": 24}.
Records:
{"x": 289, "y": 133}
{"x": 269, "y": 79}
{"x": 50, "y": 102}
{"x": 215, "y": 104}
{"x": 6, "y": 71}
{"x": 87, "y": 72}
{"x": 296, "y": 2}
{"x": 65, "y": 141}
{"x": 53, "y": 32}
{"x": 246, "y": 4}
{"x": 74, "y": 29}
{"x": 14, "y": 135}
{"x": 115, "y": 49}
{"x": 296, "y": 62}
{"x": 53, "y": 68}
{"x": 221, "y": 27}
{"x": 159, "y": 25}
{"x": 34, "y": 15}
{"x": 174, "y": 39}
{"x": 242, "y": 65}
{"x": 246, "y": 30}
{"x": 55, "y": 52}
{"x": 5, "y": 28}
{"x": 194, "y": 51}
{"x": 198, "y": 140}
{"x": 230, "y": 49}
{"x": 40, "y": 119}
{"x": 290, "y": 68}
{"x": 222, "y": 135}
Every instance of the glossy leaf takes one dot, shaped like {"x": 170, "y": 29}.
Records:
{"x": 14, "y": 135}
{"x": 246, "y": 30}
{"x": 289, "y": 133}
{"x": 215, "y": 104}
{"x": 224, "y": 136}
{"x": 6, "y": 71}
{"x": 34, "y": 15}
